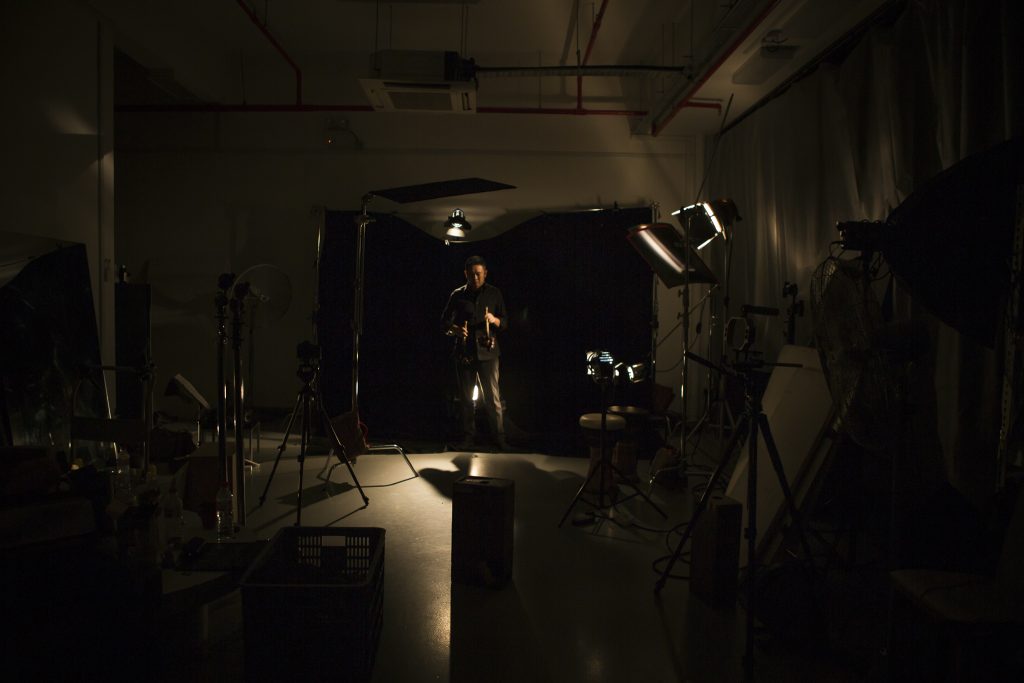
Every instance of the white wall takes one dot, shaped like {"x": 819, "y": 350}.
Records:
{"x": 202, "y": 194}
{"x": 56, "y": 133}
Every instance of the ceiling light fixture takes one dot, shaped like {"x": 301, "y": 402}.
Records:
{"x": 456, "y": 226}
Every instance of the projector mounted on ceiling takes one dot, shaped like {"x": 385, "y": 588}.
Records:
{"x": 421, "y": 81}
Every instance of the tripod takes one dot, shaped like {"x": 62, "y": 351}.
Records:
{"x": 751, "y": 423}
{"x": 605, "y": 468}
{"x": 307, "y": 397}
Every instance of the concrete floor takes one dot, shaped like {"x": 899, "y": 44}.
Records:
{"x": 581, "y": 605}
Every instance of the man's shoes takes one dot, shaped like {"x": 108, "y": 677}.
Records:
{"x": 503, "y": 446}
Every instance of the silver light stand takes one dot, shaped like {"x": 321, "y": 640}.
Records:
{"x": 723, "y": 404}
{"x": 683, "y": 392}
{"x": 680, "y": 467}
{"x": 654, "y": 316}
{"x": 237, "y": 305}
{"x": 358, "y": 294}
{"x": 715, "y": 401}
{"x": 362, "y": 220}
{"x": 224, "y": 283}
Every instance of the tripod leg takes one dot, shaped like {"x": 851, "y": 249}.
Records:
{"x": 307, "y": 397}
{"x": 579, "y": 494}
{"x": 620, "y": 476}
{"x": 773, "y": 453}
{"x": 284, "y": 443}
{"x": 341, "y": 449}
{"x": 748, "y": 653}
{"x": 698, "y": 509}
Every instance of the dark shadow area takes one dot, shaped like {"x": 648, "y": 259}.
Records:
{"x": 443, "y": 480}
{"x": 492, "y": 638}
{"x": 571, "y": 283}
{"x": 47, "y": 340}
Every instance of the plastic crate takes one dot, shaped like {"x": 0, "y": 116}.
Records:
{"x": 312, "y": 604}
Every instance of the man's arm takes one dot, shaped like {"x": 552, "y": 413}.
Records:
{"x": 449, "y": 325}
{"x": 498, "y": 316}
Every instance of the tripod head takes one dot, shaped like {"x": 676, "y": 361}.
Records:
{"x": 308, "y": 354}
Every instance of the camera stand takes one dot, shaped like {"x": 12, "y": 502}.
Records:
{"x": 307, "y": 401}
{"x": 752, "y": 422}
{"x": 604, "y": 468}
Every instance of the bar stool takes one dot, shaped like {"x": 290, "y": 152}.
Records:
{"x": 624, "y": 454}
{"x": 601, "y": 475}
{"x": 602, "y": 482}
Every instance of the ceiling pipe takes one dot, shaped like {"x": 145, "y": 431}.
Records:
{"x": 578, "y": 111}
{"x": 300, "y": 108}
{"x": 605, "y": 70}
{"x": 586, "y": 112}
{"x": 263, "y": 29}
{"x": 232, "y": 108}
{"x": 586, "y": 55}
{"x": 659, "y": 125}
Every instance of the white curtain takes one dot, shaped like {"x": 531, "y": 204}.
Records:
{"x": 851, "y": 141}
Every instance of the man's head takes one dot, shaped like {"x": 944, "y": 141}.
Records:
{"x": 476, "y": 272}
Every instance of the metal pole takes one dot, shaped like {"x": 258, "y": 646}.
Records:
{"x": 318, "y": 214}
{"x": 748, "y": 651}
{"x": 237, "y": 311}
{"x": 357, "y": 306}
{"x": 683, "y": 393}
{"x": 221, "y": 302}
{"x": 654, "y": 319}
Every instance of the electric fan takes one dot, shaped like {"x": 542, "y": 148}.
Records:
{"x": 266, "y": 302}
{"x": 269, "y": 295}
{"x": 863, "y": 377}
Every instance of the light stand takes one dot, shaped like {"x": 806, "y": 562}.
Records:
{"x": 706, "y": 222}
{"x": 673, "y": 259}
{"x": 362, "y": 220}
{"x": 224, "y": 283}
{"x": 723, "y": 404}
{"x": 237, "y": 306}
{"x": 684, "y": 393}
{"x": 752, "y": 422}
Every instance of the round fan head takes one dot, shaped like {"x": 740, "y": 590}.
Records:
{"x": 864, "y": 383}
{"x": 269, "y": 295}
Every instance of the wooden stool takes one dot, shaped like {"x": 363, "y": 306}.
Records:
{"x": 625, "y": 452}
{"x": 615, "y": 425}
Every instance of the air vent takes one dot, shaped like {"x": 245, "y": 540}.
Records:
{"x": 456, "y": 97}
{"x": 421, "y": 80}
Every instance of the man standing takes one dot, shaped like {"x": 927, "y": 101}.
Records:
{"x": 474, "y": 315}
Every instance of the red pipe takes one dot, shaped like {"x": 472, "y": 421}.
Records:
{"x": 263, "y": 29}
{"x": 658, "y": 126}
{"x": 586, "y": 55}
{"x": 292, "y": 108}
{"x": 554, "y": 110}
{"x": 208, "y": 108}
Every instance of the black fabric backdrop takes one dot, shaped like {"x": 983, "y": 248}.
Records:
{"x": 571, "y": 283}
